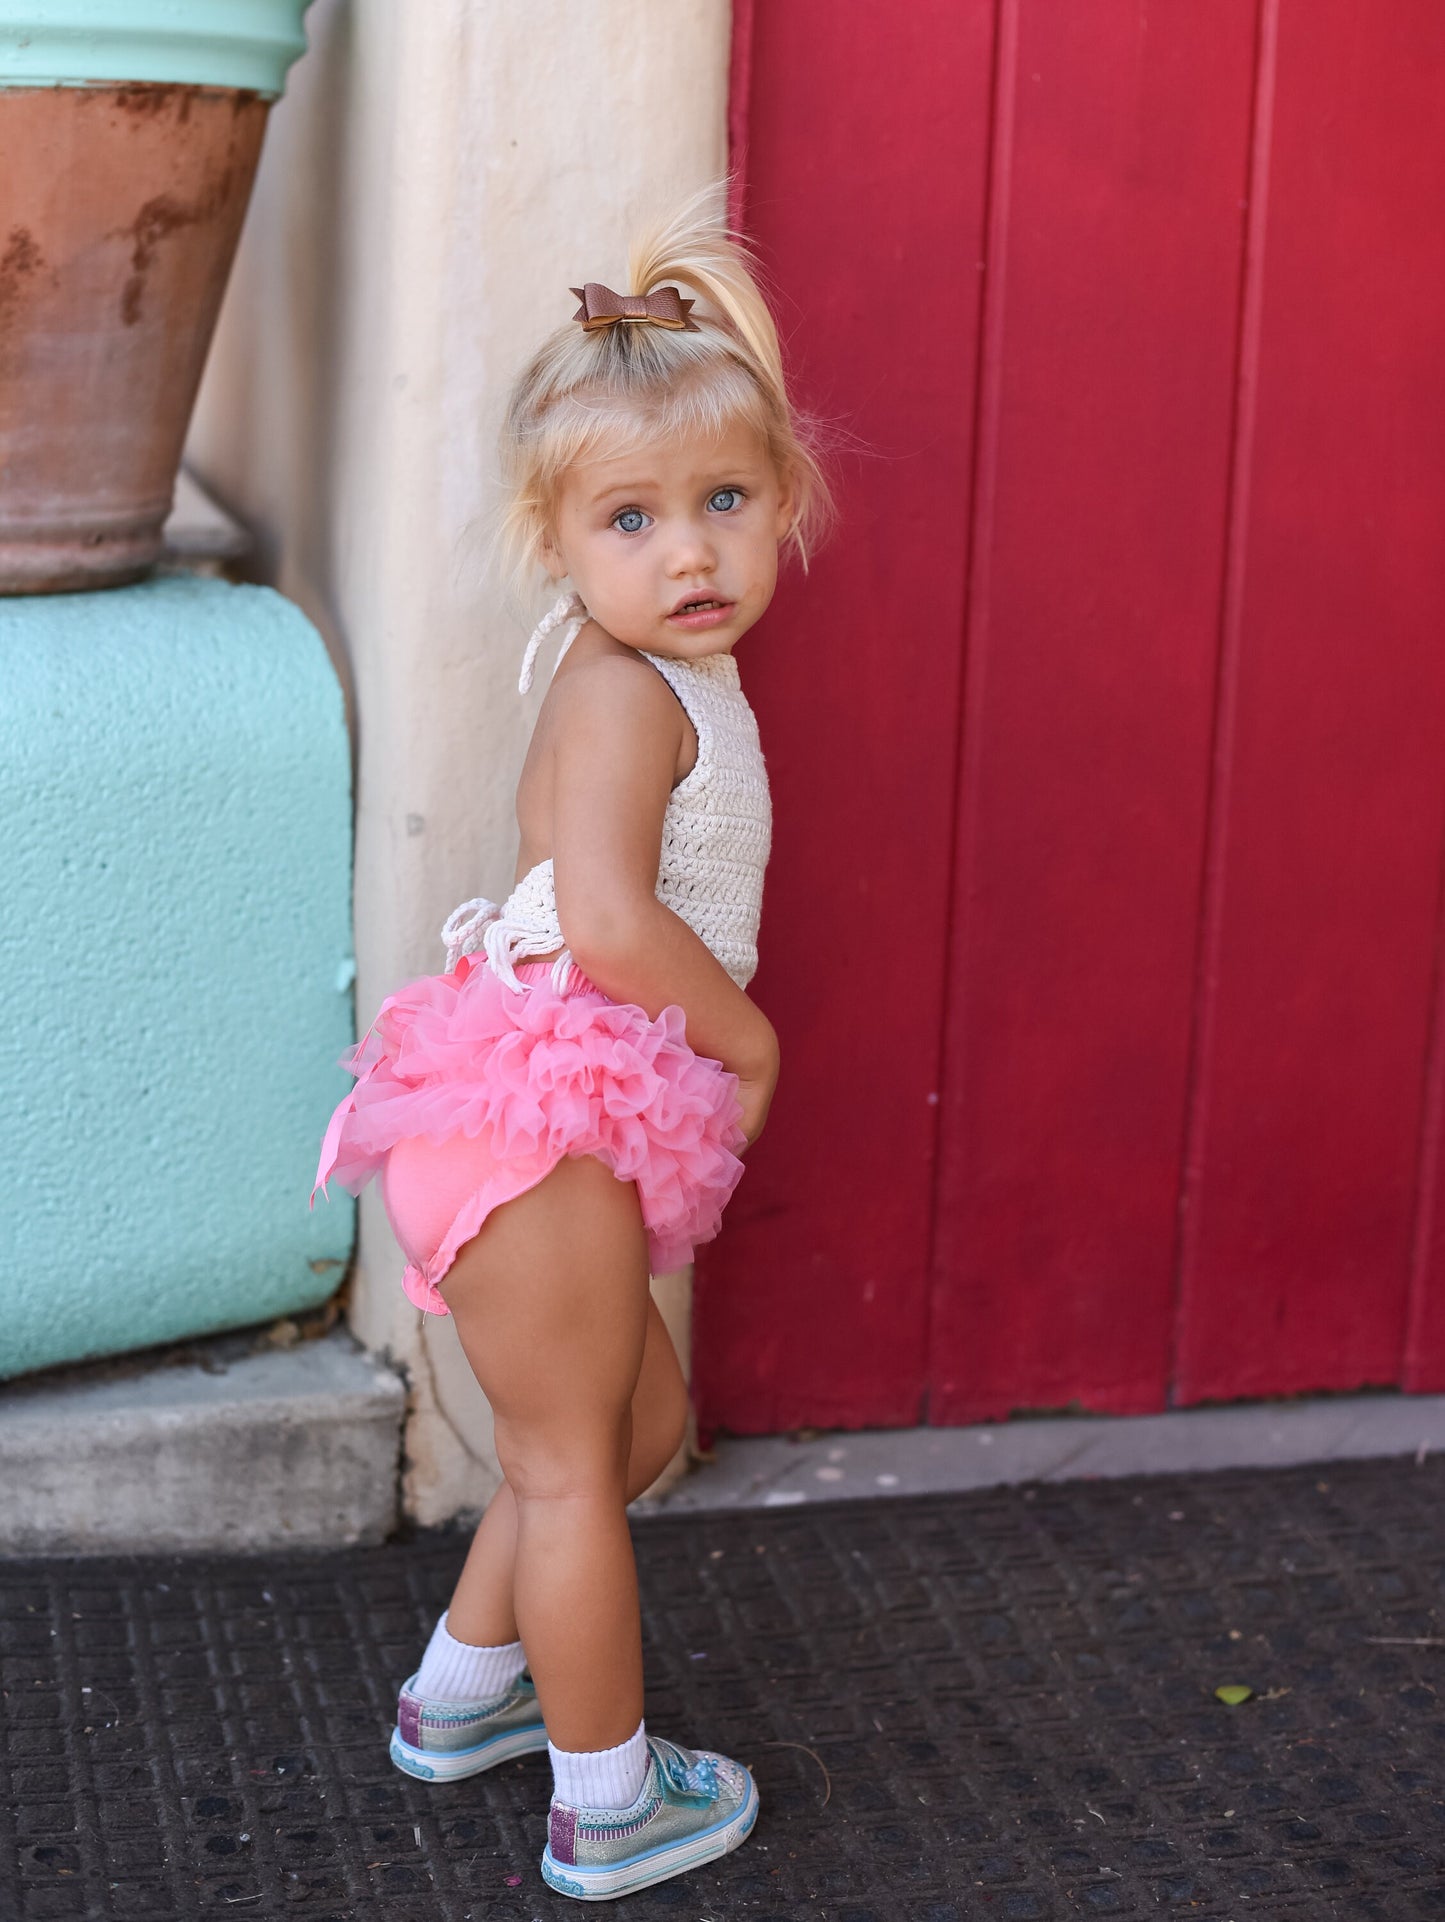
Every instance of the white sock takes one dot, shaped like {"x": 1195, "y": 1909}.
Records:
{"x": 453, "y": 1671}
{"x": 601, "y": 1778}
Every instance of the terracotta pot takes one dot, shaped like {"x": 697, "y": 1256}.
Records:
{"x": 120, "y": 209}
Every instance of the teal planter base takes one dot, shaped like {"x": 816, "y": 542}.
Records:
{"x": 201, "y": 43}
{"x": 175, "y": 960}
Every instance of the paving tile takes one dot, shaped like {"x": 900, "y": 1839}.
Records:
{"x": 992, "y": 1704}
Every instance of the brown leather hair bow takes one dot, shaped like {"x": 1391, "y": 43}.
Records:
{"x": 663, "y": 307}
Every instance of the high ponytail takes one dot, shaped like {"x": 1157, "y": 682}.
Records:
{"x": 697, "y": 247}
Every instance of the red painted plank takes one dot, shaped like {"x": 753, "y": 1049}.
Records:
{"x": 1115, "y": 251}
{"x": 866, "y": 141}
{"x": 1323, "y": 924}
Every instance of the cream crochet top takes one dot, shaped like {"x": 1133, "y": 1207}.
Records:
{"x": 716, "y": 831}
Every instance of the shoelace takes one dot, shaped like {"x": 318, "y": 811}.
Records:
{"x": 695, "y": 1778}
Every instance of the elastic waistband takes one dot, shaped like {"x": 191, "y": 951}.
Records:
{"x": 577, "y": 981}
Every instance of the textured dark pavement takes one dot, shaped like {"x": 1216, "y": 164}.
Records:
{"x": 991, "y": 1705}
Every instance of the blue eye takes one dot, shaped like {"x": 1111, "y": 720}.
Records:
{"x": 630, "y": 521}
{"x": 729, "y": 497}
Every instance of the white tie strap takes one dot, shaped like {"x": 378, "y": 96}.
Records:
{"x": 464, "y": 930}
{"x": 479, "y": 924}
{"x": 572, "y": 611}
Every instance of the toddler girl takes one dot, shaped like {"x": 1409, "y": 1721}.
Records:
{"x": 562, "y": 1111}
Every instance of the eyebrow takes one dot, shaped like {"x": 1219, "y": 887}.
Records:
{"x": 620, "y": 487}
{"x": 740, "y": 470}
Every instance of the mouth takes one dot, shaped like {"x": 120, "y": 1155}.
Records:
{"x": 699, "y": 604}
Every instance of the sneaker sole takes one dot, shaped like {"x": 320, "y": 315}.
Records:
{"x": 674, "y": 1858}
{"x": 451, "y": 1765}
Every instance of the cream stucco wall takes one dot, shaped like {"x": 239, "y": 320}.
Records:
{"x": 434, "y": 179}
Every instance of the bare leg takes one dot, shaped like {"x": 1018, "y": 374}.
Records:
{"x": 481, "y": 1611}
{"x": 551, "y": 1305}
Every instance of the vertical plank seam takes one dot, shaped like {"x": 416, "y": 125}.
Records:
{"x": 1212, "y": 881}
{"x": 983, "y": 474}
{"x": 740, "y": 95}
{"x": 1414, "y": 1358}
{"x": 739, "y": 109}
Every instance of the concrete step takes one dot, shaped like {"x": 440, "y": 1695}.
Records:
{"x": 218, "y": 1447}
{"x": 786, "y": 1471}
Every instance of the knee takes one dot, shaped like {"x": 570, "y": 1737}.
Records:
{"x": 674, "y": 1428}
{"x": 586, "y": 1461}
{"x": 658, "y": 1435}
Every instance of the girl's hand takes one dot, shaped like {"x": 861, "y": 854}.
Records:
{"x": 756, "y": 1100}
{"x": 756, "y": 1097}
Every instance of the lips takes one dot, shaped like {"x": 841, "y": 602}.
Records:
{"x": 700, "y": 604}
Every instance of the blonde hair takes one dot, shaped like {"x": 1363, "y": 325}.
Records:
{"x": 626, "y": 385}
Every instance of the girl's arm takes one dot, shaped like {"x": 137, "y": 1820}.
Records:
{"x": 617, "y": 733}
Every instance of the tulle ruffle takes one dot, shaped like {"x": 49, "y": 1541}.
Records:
{"x": 545, "y": 1074}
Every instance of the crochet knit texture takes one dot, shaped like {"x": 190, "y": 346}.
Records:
{"x": 716, "y": 835}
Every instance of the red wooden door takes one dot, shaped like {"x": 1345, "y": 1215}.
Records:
{"x": 1102, "y": 928}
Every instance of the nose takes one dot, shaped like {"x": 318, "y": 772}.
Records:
{"x": 691, "y": 551}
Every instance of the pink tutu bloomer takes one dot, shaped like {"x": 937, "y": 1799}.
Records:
{"x": 489, "y": 1086}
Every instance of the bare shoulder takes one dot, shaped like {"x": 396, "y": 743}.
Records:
{"x": 614, "y": 692}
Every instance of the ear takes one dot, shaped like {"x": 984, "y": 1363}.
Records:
{"x": 550, "y": 555}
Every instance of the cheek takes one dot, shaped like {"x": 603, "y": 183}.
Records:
{"x": 766, "y": 560}
{"x": 614, "y": 566}
{"x": 596, "y": 549}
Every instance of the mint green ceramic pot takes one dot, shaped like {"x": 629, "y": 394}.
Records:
{"x": 129, "y": 136}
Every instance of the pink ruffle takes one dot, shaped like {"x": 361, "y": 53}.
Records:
{"x": 547, "y": 1075}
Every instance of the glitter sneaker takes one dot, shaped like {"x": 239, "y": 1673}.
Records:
{"x": 443, "y": 1741}
{"x": 693, "y": 1807}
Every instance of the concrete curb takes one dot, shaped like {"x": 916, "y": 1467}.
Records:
{"x": 292, "y": 1449}
{"x": 782, "y": 1472}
